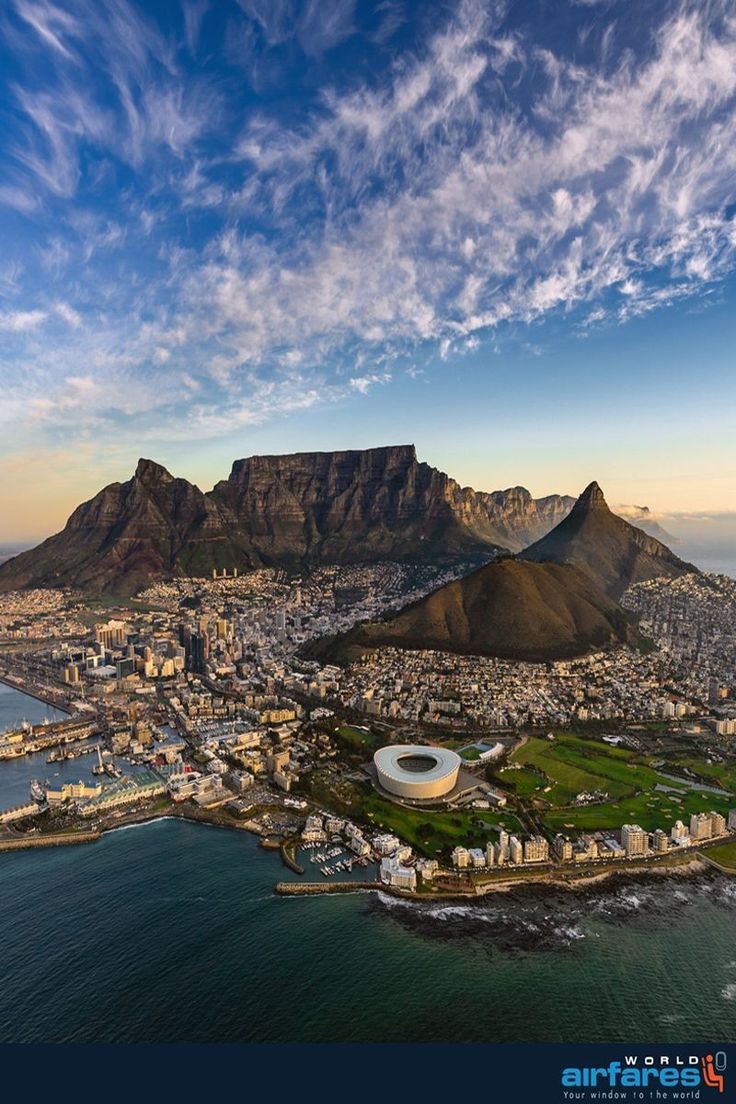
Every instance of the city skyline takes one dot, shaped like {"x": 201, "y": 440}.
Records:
{"x": 503, "y": 235}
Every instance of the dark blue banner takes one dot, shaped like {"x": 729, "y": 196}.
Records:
{"x": 544, "y": 1073}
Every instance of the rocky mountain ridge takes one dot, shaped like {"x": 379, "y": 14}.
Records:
{"x": 291, "y": 511}
{"x": 612, "y": 552}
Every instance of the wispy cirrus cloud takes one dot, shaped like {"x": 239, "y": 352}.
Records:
{"x": 100, "y": 76}
{"x": 439, "y": 210}
{"x": 207, "y": 254}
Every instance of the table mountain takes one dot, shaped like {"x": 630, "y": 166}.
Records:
{"x": 614, "y": 553}
{"x": 291, "y": 511}
{"x": 510, "y": 609}
{"x": 382, "y": 503}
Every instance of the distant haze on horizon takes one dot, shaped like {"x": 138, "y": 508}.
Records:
{"x": 506, "y": 233}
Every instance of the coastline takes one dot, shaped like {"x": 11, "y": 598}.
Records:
{"x": 691, "y": 867}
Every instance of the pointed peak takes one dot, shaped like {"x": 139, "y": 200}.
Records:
{"x": 150, "y": 471}
{"x": 591, "y": 498}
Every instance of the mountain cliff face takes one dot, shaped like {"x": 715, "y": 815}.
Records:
{"x": 336, "y": 507}
{"x": 131, "y": 532}
{"x": 613, "y": 553}
{"x": 291, "y": 511}
{"x": 509, "y": 609}
{"x": 333, "y": 507}
{"x": 520, "y": 519}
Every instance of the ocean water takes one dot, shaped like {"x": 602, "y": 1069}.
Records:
{"x": 170, "y": 932}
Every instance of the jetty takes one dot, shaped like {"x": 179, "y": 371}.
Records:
{"x": 60, "y": 839}
{"x": 306, "y": 889}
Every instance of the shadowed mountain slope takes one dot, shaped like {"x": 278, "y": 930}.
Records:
{"x": 509, "y": 609}
{"x": 614, "y": 553}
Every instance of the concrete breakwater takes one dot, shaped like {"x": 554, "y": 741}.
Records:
{"x": 288, "y": 856}
{"x": 306, "y": 889}
{"x": 61, "y": 840}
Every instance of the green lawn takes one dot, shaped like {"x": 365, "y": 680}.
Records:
{"x": 725, "y": 854}
{"x": 436, "y": 831}
{"x": 356, "y": 738}
{"x": 649, "y": 809}
{"x": 573, "y": 765}
{"x": 570, "y": 764}
{"x": 525, "y": 781}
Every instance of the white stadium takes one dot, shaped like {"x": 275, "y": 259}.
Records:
{"x": 416, "y": 772}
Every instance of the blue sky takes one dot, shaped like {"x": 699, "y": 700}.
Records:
{"x": 504, "y": 231}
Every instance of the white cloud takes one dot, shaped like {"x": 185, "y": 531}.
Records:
{"x": 492, "y": 216}
{"x": 20, "y": 320}
{"x": 363, "y": 384}
{"x": 68, "y": 314}
{"x": 49, "y": 22}
{"x": 148, "y": 104}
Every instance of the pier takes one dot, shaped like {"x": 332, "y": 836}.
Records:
{"x": 55, "y": 701}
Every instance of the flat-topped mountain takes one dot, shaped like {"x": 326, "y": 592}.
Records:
{"x": 293, "y": 511}
{"x": 509, "y": 609}
{"x": 614, "y": 553}
{"x": 382, "y": 503}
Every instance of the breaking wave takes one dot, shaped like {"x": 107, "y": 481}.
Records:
{"x": 525, "y": 919}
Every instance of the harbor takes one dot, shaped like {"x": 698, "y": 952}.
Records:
{"x": 59, "y": 755}
{"x": 334, "y": 861}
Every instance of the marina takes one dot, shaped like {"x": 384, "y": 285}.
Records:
{"x": 334, "y": 861}
{"x": 26, "y": 775}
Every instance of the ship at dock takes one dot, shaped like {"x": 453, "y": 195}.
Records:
{"x": 38, "y": 790}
